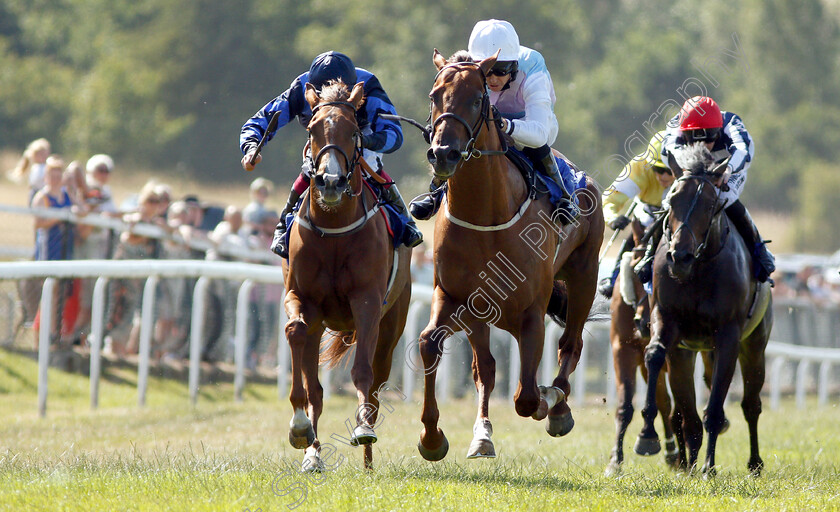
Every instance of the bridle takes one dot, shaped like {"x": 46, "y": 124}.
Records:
{"x": 704, "y": 180}
{"x": 474, "y": 130}
{"x": 350, "y": 163}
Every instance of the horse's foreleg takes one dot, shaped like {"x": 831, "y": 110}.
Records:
{"x": 531, "y": 338}
{"x": 315, "y": 399}
{"x": 663, "y": 336}
{"x": 626, "y": 358}
{"x": 581, "y": 289}
{"x": 366, "y": 315}
{"x": 433, "y": 444}
{"x": 484, "y": 375}
{"x": 727, "y": 344}
{"x": 300, "y": 335}
{"x": 681, "y": 377}
{"x": 663, "y": 403}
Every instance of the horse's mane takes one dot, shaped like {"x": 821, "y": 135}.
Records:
{"x": 334, "y": 90}
{"x": 694, "y": 158}
{"x": 460, "y": 56}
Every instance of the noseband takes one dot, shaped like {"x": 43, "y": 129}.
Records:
{"x": 350, "y": 163}
{"x": 704, "y": 180}
{"x": 470, "y": 151}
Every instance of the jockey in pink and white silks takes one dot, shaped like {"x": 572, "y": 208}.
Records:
{"x": 521, "y": 89}
{"x": 724, "y": 134}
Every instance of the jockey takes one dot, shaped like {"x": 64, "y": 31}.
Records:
{"x": 521, "y": 89}
{"x": 700, "y": 119}
{"x": 645, "y": 177}
{"x": 378, "y": 135}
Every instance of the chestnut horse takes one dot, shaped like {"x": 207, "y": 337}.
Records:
{"x": 497, "y": 253}
{"x": 704, "y": 295}
{"x": 343, "y": 273}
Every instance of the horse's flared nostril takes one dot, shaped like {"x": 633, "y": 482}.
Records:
{"x": 452, "y": 156}
{"x": 319, "y": 181}
{"x": 430, "y": 156}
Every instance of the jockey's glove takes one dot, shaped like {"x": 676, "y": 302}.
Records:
{"x": 619, "y": 223}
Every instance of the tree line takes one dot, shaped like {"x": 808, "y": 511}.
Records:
{"x": 167, "y": 84}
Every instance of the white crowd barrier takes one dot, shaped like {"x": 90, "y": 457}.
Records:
{"x": 778, "y": 354}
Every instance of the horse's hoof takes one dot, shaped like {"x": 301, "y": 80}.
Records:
{"x": 437, "y": 453}
{"x": 672, "y": 455}
{"x": 709, "y": 473}
{"x": 362, "y": 435}
{"x": 481, "y": 449}
{"x": 558, "y": 426}
{"x": 613, "y": 469}
{"x": 302, "y": 438}
{"x": 647, "y": 446}
{"x": 755, "y": 467}
{"x": 549, "y": 397}
{"x": 312, "y": 462}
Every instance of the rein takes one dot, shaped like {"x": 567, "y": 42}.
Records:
{"x": 470, "y": 151}
{"x": 699, "y": 249}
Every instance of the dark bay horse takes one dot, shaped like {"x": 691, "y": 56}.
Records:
{"x": 496, "y": 257}
{"x": 343, "y": 273}
{"x": 705, "y": 296}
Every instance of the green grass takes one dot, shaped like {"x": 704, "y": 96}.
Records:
{"x": 221, "y": 455}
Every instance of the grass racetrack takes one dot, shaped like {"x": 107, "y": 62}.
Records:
{"x": 222, "y": 455}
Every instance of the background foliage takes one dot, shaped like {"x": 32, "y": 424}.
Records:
{"x": 167, "y": 84}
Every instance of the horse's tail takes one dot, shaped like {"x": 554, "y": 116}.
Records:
{"x": 338, "y": 344}
{"x": 558, "y": 304}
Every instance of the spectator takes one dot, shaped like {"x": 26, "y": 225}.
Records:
{"x": 266, "y": 298}
{"x": 54, "y": 241}
{"x": 254, "y": 211}
{"x": 125, "y": 294}
{"x": 422, "y": 269}
{"x": 33, "y": 162}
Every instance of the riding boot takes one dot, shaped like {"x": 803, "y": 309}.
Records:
{"x": 425, "y": 206}
{"x": 644, "y": 268}
{"x": 278, "y": 245}
{"x": 412, "y": 237}
{"x": 569, "y": 211}
{"x": 606, "y": 285}
{"x": 763, "y": 260}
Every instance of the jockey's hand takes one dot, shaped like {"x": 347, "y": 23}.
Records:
{"x": 619, "y": 223}
{"x": 246, "y": 161}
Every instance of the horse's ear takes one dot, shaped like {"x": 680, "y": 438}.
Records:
{"x": 312, "y": 95}
{"x": 438, "y": 59}
{"x": 489, "y": 62}
{"x": 357, "y": 95}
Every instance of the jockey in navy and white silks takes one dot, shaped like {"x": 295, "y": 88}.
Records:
{"x": 520, "y": 87}
{"x": 378, "y": 135}
{"x": 701, "y": 120}
{"x": 734, "y": 142}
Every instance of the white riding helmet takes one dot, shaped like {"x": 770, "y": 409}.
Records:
{"x": 488, "y": 36}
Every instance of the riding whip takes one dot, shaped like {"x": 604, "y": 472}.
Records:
{"x": 272, "y": 125}
{"x": 630, "y": 214}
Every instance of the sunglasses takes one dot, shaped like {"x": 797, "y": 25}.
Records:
{"x": 702, "y": 135}
{"x": 503, "y": 68}
{"x": 661, "y": 170}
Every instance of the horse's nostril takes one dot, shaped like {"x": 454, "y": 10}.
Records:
{"x": 430, "y": 156}
{"x": 342, "y": 182}
{"x": 453, "y": 155}
{"x": 319, "y": 181}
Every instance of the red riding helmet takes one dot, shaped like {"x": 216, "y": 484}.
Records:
{"x": 700, "y": 119}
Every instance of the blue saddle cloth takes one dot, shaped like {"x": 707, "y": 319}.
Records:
{"x": 396, "y": 222}
{"x": 574, "y": 180}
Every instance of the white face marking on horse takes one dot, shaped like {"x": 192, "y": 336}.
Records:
{"x": 333, "y": 165}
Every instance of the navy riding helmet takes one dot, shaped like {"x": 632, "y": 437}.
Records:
{"x": 332, "y": 66}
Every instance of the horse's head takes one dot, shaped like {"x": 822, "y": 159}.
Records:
{"x": 459, "y": 108}
{"x": 335, "y": 143}
{"x": 695, "y": 203}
